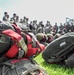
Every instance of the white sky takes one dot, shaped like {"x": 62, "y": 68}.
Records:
{"x": 41, "y": 10}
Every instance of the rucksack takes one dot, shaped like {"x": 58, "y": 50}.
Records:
{"x": 21, "y": 67}
{"x": 59, "y": 49}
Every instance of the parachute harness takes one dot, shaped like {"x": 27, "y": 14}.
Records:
{"x": 18, "y": 46}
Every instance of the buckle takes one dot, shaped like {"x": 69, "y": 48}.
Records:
{"x": 22, "y": 44}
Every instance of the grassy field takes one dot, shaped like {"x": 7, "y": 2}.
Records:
{"x": 54, "y": 69}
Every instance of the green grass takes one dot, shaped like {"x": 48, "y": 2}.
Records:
{"x": 53, "y": 69}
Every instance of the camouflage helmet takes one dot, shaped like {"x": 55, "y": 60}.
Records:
{"x": 50, "y": 37}
{"x": 41, "y": 36}
{"x": 52, "y": 32}
{"x": 57, "y": 36}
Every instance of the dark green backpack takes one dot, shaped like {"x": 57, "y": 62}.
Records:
{"x": 59, "y": 49}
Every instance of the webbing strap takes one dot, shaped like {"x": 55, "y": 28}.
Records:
{"x": 12, "y": 51}
{"x": 12, "y": 34}
{"x": 17, "y": 29}
{"x": 29, "y": 41}
{"x": 15, "y": 36}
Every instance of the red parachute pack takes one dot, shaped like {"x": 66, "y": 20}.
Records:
{"x": 19, "y": 45}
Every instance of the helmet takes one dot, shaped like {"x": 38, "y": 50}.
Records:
{"x": 5, "y": 12}
{"x": 52, "y": 32}
{"x": 25, "y": 28}
{"x": 14, "y": 14}
{"x": 50, "y": 37}
{"x": 24, "y": 17}
{"x": 57, "y": 36}
{"x": 41, "y": 37}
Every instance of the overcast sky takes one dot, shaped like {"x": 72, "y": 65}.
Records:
{"x": 41, "y": 10}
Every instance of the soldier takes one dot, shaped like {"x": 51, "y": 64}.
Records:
{"x": 72, "y": 27}
{"x": 67, "y": 26}
{"x": 47, "y": 28}
{"x": 39, "y": 25}
{"x": 30, "y": 26}
{"x": 24, "y": 19}
{"x": 64, "y": 28}
{"x": 27, "y": 20}
{"x": 17, "y": 18}
{"x": 21, "y": 21}
{"x": 34, "y": 27}
{"x": 42, "y": 38}
{"x": 55, "y": 28}
{"x": 61, "y": 26}
{"x": 48, "y": 23}
{"x": 41, "y": 29}
{"x": 6, "y": 16}
{"x": 49, "y": 37}
{"x": 14, "y": 17}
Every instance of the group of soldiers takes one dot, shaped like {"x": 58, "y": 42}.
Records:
{"x": 40, "y": 27}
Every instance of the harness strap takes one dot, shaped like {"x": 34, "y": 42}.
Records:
{"x": 12, "y": 51}
{"x": 29, "y": 41}
{"x": 17, "y": 29}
